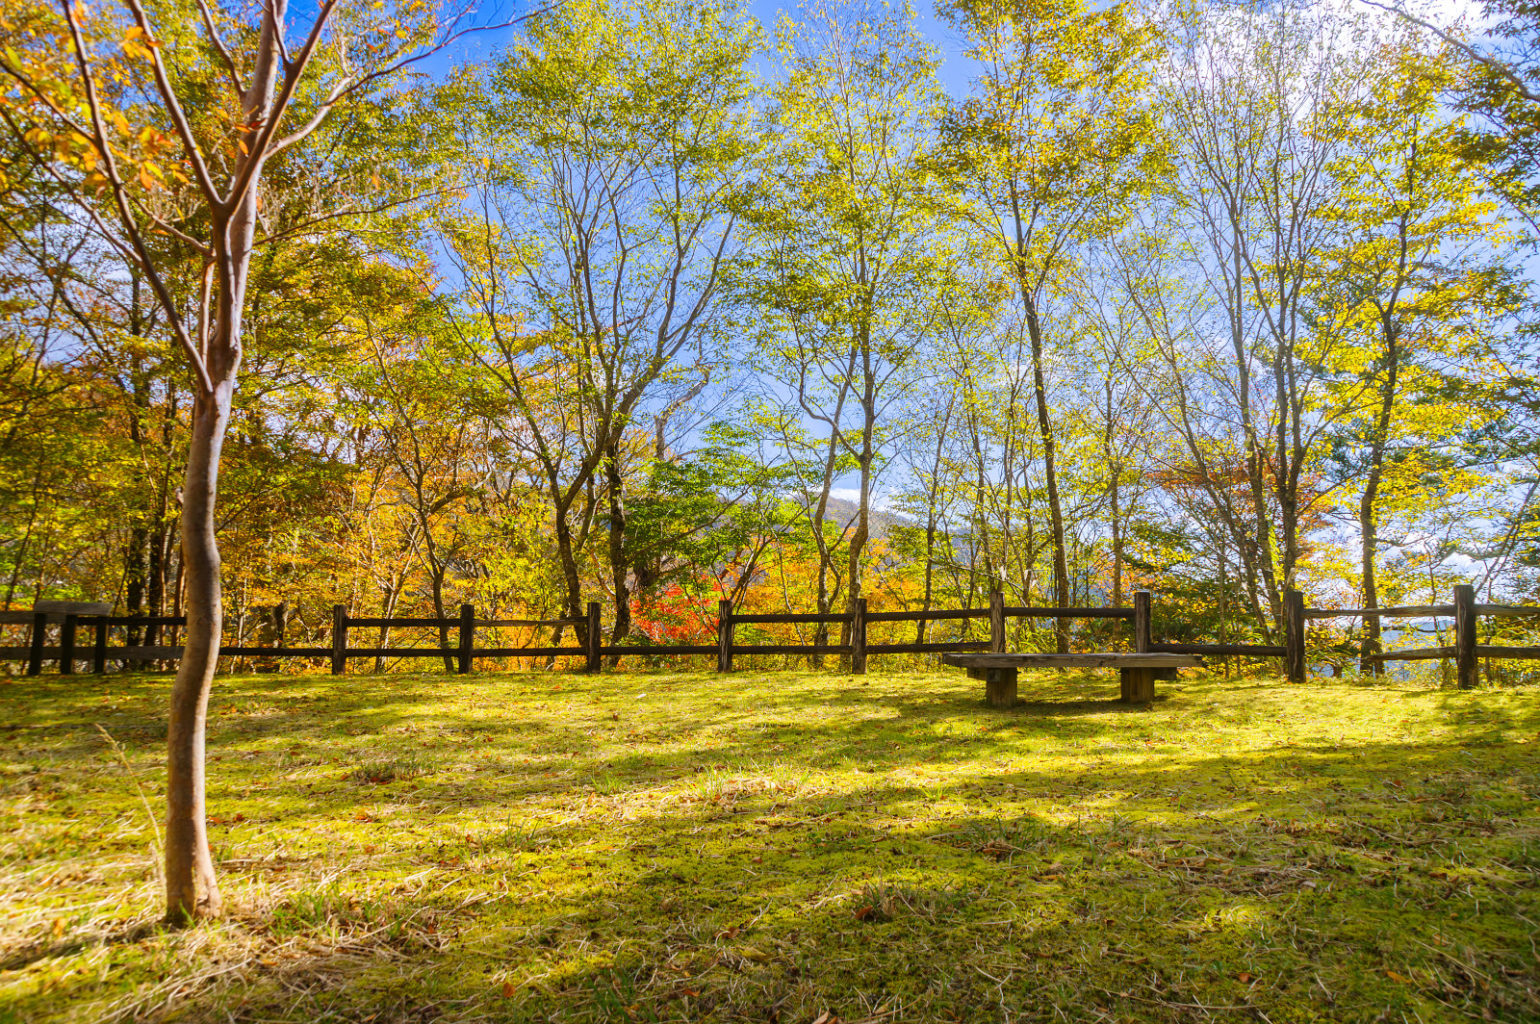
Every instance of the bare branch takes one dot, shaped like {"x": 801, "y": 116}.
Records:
{"x": 219, "y": 44}
{"x": 294, "y": 71}
{"x": 140, "y": 251}
{"x": 1470, "y": 52}
{"x": 168, "y": 97}
{"x": 306, "y": 225}
{"x": 349, "y": 86}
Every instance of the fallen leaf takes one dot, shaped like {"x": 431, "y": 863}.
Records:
{"x": 509, "y": 989}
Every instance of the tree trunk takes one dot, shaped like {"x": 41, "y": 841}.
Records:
{"x": 1055, "y": 514}
{"x": 1367, "y": 525}
{"x": 436, "y": 580}
{"x": 620, "y": 560}
{"x": 1116, "y": 468}
{"x": 571, "y": 580}
{"x": 191, "y": 888}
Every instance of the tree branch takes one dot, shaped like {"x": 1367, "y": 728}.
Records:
{"x": 140, "y": 252}
{"x": 167, "y": 95}
{"x": 1490, "y": 63}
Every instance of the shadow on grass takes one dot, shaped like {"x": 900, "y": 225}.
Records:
{"x": 565, "y": 848}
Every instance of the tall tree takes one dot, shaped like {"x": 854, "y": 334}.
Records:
{"x": 1053, "y": 145}
{"x": 121, "y": 103}
{"x": 848, "y": 256}
{"x": 1418, "y": 283}
{"x": 612, "y": 143}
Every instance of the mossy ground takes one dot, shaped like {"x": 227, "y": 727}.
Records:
{"x": 789, "y": 846}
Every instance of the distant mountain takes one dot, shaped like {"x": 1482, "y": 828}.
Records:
{"x": 881, "y": 523}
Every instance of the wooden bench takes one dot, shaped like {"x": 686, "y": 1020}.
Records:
{"x": 1136, "y": 672}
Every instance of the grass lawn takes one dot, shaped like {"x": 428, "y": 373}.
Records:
{"x": 793, "y": 847}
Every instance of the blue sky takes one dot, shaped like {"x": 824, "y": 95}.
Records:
{"x": 953, "y": 72}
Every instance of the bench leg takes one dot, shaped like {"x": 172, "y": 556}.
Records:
{"x": 1138, "y": 685}
{"x": 1000, "y": 687}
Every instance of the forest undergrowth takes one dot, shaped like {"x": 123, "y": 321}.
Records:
{"x": 792, "y": 846}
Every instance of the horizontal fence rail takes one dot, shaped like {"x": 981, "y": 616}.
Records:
{"x": 458, "y": 648}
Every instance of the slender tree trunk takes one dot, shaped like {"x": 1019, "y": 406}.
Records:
{"x": 189, "y": 865}
{"x": 620, "y": 561}
{"x": 1367, "y": 525}
{"x": 436, "y": 581}
{"x": 390, "y": 593}
{"x": 1288, "y": 495}
{"x": 572, "y": 582}
{"x": 191, "y": 888}
{"x": 858, "y": 538}
{"x": 1116, "y": 469}
{"x": 135, "y": 559}
{"x": 1050, "y": 473}
{"x": 930, "y": 526}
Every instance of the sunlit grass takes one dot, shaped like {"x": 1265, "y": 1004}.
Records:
{"x": 781, "y": 846}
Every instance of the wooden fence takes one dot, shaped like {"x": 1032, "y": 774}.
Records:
{"x": 855, "y": 623}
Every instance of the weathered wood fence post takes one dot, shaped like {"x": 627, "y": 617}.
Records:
{"x": 35, "y": 650}
{"x": 67, "y": 644}
{"x": 1294, "y": 635}
{"x": 339, "y": 638}
{"x": 1465, "y": 663}
{"x": 1142, "y": 632}
{"x": 99, "y": 651}
{"x": 467, "y": 637}
{"x": 724, "y": 636}
{"x": 858, "y": 636}
{"x": 593, "y": 640}
{"x": 997, "y": 621}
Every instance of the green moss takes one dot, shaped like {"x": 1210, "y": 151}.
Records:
{"x": 777, "y": 846}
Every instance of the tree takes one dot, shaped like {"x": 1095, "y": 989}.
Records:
{"x": 848, "y": 256}
{"x": 611, "y": 146}
{"x": 1052, "y": 149}
{"x": 122, "y": 104}
{"x": 1418, "y": 284}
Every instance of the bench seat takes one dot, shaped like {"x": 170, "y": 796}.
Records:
{"x": 1136, "y": 670}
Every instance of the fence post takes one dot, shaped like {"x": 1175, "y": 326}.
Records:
{"x": 593, "y": 640}
{"x": 1294, "y": 635}
{"x": 467, "y": 637}
{"x": 1465, "y": 636}
{"x": 997, "y": 621}
{"x": 724, "y": 636}
{"x": 67, "y": 644}
{"x": 339, "y": 638}
{"x": 858, "y": 636}
{"x": 35, "y": 648}
{"x": 1142, "y": 622}
{"x": 99, "y": 653}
